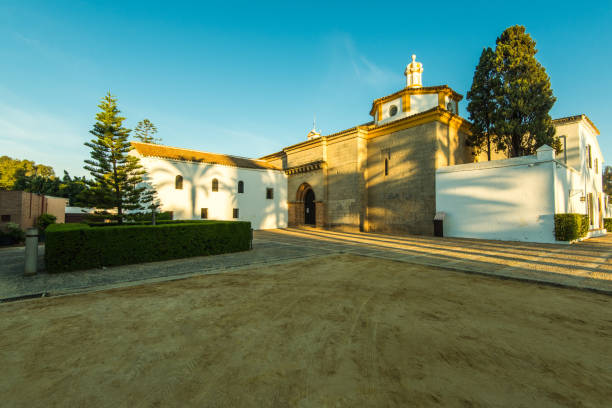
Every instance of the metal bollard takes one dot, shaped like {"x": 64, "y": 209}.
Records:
{"x": 31, "y": 251}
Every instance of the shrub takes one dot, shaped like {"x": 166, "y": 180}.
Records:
{"x": 146, "y": 216}
{"x": 608, "y": 224}
{"x": 14, "y": 232}
{"x": 569, "y": 227}
{"x": 45, "y": 220}
{"x": 79, "y": 246}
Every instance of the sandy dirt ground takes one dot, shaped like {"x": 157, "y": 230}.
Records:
{"x": 346, "y": 331}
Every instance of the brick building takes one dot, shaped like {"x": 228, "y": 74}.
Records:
{"x": 24, "y": 208}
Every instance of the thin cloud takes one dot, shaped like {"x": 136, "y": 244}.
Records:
{"x": 345, "y": 51}
{"x": 42, "y": 137}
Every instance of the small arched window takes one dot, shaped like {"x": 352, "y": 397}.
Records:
{"x": 240, "y": 187}
{"x": 386, "y": 167}
{"x": 215, "y": 185}
{"x": 178, "y": 182}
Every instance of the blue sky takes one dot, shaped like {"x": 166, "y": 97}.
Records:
{"x": 246, "y": 78}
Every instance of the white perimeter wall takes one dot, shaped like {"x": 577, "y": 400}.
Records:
{"x": 512, "y": 199}
{"x": 197, "y": 191}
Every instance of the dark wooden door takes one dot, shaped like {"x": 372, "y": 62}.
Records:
{"x": 309, "y": 208}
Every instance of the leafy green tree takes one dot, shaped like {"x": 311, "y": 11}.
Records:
{"x": 145, "y": 131}
{"x": 482, "y": 103}
{"x": 11, "y": 170}
{"x": 73, "y": 188}
{"x": 117, "y": 175}
{"x": 524, "y": 98}
{"x": 38, "y": 185}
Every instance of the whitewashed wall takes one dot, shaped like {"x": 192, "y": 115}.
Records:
{"x": 197, "y": 191}
{"x": 418, "y": 103}
{"x": 512, "y": 199}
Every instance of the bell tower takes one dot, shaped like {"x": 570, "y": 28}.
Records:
{"x": 413, "y": 73}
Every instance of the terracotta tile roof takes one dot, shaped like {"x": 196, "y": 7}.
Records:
{"x": 175, "y": 153}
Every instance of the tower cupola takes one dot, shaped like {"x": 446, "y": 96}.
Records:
{"x": 414, "y": 72}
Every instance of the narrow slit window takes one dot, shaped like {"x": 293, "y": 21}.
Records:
{"x": 269, "y": 193}
{"x": 215, "y": 185}
{"x": 386, "y": 167}
{"x": 240, "y": 187}
{"x": 204, "y": 213}
{"x": 236, "y": 214}
{"x": 589, "y": 160}
{"x": 178, "y": 182}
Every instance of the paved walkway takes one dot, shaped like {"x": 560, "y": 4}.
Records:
{"x": 584, "y": 265}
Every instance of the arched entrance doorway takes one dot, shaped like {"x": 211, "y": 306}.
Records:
{"x": 310, "y": 217}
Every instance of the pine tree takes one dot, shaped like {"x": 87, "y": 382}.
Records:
{"x": 482, "y": 105}
{"x": 151, "y": 201}
{"x": 524, "y": 97}
{"x": 145, "y": 131}
{"x": 116, "y": 174}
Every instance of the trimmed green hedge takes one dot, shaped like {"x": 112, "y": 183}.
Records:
{"x": 569, "y": 227}
{"x": 608, "y": 224}
{"x": 72, "y": 247}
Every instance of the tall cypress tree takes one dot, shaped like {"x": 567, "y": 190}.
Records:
{"x": 117, "y": 176}
{"x": 482, "y": 105}
{"x": 524, "y": 97}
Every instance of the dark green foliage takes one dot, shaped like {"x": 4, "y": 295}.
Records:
{"x": 11, "y": 170}
{"x": 482, "y": 105}
{"x": 145, "y": 131}
{"x": 45, "y": 220}
{"x": 117, "y": 176}
{"x": 569, "y": 227}
{"x": 511, "y": 97}
{"x": 524, "y": 97}
{"x": 608, "y": 224}
{"x": 147, "y": 216}
{"x": 12, "y": 234}
{"x": 606, "y": 180}
{"x": 78, "y": 246}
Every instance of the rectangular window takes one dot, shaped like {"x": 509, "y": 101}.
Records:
{"x": 564, "y": 143}
{"x": 6, "y": 217}
{"x": 236, "y": 214}
{"x": 386, "y": 167}
{"x": 596, "y": 166}
{"x": 204, "y": 213}
{"x": 589, "y": 161}
{"x": 269, "y": 193}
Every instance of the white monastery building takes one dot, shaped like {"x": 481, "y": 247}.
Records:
{"x": 395, "y": 173}
{"x": 516, "y": 199}
{"x": 200, "y": 185}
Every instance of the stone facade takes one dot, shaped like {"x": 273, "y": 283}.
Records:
{"x": 375, "y": 177}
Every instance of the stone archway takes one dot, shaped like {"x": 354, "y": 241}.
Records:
{"x": 310, "y": 216}
{"x": 303, "y": 210}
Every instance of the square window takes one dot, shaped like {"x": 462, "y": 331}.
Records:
{"x": 235, "y": 215}
{"x": 269, "y": 193}
{"x": 204, "y": 213}
{"x": 6, "y": 217}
